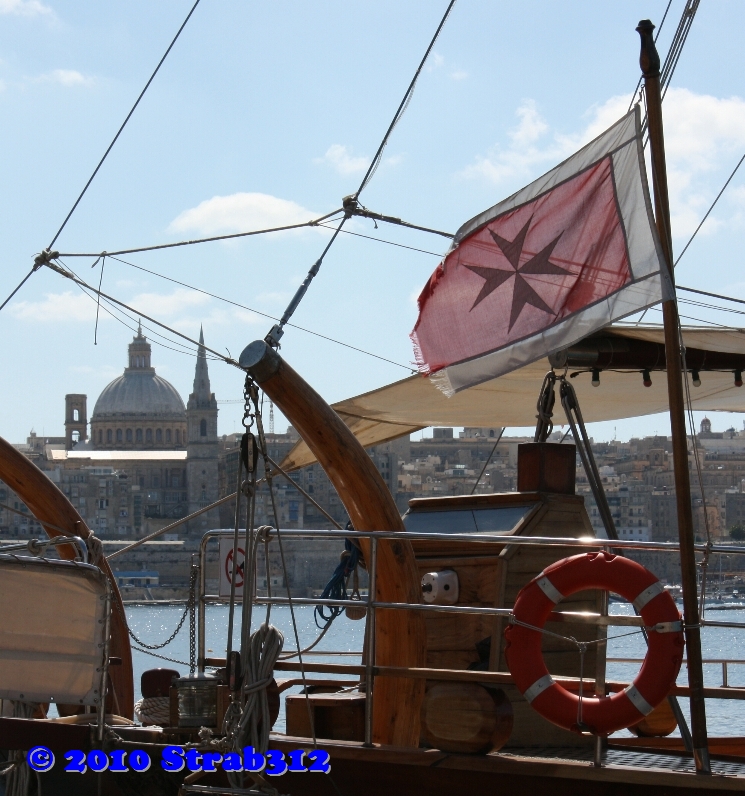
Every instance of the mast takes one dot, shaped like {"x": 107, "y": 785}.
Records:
{"x": 649, "y": 61}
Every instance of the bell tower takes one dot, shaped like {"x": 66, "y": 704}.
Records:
{"x": 76, "y": 420}
{"x": 201, "y": 445}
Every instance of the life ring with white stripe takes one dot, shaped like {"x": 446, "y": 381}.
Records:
{"x": 534, "y": 604}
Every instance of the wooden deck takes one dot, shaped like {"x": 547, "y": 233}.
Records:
{"x": 361, "y": 771}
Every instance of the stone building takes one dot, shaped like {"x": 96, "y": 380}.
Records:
{"x": 148, "y": 461}
{"x": 201, "y": 442}
{"x": 139, "y": 410}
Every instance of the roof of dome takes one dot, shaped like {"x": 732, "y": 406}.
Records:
{"x": 139, "y": 392}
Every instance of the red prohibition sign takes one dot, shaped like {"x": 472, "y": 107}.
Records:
{"x": 238, "y": 569}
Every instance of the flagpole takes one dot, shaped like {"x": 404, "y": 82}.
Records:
{"x": 649, "y": 61}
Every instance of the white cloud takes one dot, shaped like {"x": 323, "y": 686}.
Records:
{"x": 240, "y": 212}
{"x": 272, "y": 298}
{"x": 65, "y": 77}
{"x": 66, "y": 306}
{"x": 459, "y": 74}
{"x": 704, "y": 136}
{"x": 25, "y": 8}
{"x": 341, "y": 159}
{"x": 74, "y": 306}
{"x": 158, "y": 305}
{"x": 525, "y": 153}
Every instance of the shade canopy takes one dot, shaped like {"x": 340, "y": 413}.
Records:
{"x": 414, "y": 403}
{"x": 52, "y": 644}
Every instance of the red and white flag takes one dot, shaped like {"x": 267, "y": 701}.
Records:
{"x": 572, "y": 252}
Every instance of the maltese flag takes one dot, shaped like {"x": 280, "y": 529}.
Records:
{"x": 572, "y": 252}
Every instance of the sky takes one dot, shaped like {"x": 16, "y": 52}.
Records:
{"x": 267, "y": 114}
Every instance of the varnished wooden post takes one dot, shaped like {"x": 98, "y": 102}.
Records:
{"x": 400, "y": 637}
{"x": 650, "y": 65}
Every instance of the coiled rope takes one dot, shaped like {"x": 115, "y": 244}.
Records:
{"x": 249, "y": 723}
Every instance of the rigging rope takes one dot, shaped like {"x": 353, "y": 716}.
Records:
{"x": 488, "y": 458}
{"x": 313, "y": 223}
{"x": 264, "y": 314}
{"x": 78, "y": 281}
{"x": 690, "y": 240}
{"x": 675, "y": 51}
{"x": 277, "y": 331}
{"x": 381, "y": 240}
{"x": 20, "y": 285}
{"x": 712, "y": 295}
{"x": 124, "y": 124}
{"x": 403, "y": 105}
{"x": 336, "y": 588}
{"x": 285, "y": 570}
{"x": 112, "y": 312}
{"x": 679, "y": 40}
{"x": 354, "y": 208}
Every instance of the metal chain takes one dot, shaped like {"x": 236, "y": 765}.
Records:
{"x": 248, "y": 416}
{"x": 187, "y": 609}
{"x": 162, "y": 657}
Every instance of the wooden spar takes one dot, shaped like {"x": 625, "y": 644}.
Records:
{"x": 400, "y": 638}
{"x": 649, "y": 61}
{"x": 47, "y": 503}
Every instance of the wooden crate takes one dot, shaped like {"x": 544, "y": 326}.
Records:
{"x": 339, "y": 716}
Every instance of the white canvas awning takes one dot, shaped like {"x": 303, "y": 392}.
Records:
{"x": 414, "y": 403}
{"x": 52, "y": 639}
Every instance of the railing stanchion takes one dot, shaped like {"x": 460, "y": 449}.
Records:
{"x": 725, "y": 683}
{"x": 370, "y": 641}
{"x": 201, "y": 603}
{"x": 600, "y": 672}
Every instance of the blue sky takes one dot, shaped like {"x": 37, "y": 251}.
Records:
{"x": 268, "y": 113}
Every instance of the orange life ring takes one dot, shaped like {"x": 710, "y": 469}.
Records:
{"x": 536, "y": 601}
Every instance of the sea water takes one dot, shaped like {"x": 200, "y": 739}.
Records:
{"x": 154, "y": 624}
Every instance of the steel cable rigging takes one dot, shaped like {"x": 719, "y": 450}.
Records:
{"x": 37, "y": 262}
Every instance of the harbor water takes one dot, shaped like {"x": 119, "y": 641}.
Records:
{"x": 154, "y": 624}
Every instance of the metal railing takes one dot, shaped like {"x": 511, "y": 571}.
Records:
{"x": 370, "y": 670}
{"x": 724, "y": 662}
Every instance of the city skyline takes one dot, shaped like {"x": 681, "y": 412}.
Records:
{"x": 230, "y": 138}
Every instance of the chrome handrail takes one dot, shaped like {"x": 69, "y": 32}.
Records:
{"x": 494, "y": 539}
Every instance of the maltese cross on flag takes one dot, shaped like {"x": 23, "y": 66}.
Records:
{"x": 572, "y": 252}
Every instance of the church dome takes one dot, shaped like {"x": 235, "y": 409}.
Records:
{"x": 139, "y": 392}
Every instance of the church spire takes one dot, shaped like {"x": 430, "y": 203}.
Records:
{"x": 201, "y": 374}
{"x": 202, "y": 446}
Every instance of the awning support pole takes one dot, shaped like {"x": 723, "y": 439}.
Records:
{"x": 649, "y": 61}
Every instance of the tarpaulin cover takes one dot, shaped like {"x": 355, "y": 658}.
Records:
{"x": 52, "y": 630}
{"x": 414, "y": 403}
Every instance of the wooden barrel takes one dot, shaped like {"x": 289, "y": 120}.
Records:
{"x": 466, "y": 717}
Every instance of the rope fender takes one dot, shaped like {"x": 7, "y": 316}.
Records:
{"x": 534, "y": 604}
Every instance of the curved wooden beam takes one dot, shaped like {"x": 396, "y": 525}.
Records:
{"x": 400, "y": 635}
{"x": 48, "y": 504}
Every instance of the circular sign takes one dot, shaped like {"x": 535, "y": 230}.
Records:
{"x": 239, "y": 570}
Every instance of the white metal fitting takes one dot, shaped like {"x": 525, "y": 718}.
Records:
{"x": 440, "y": 588}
